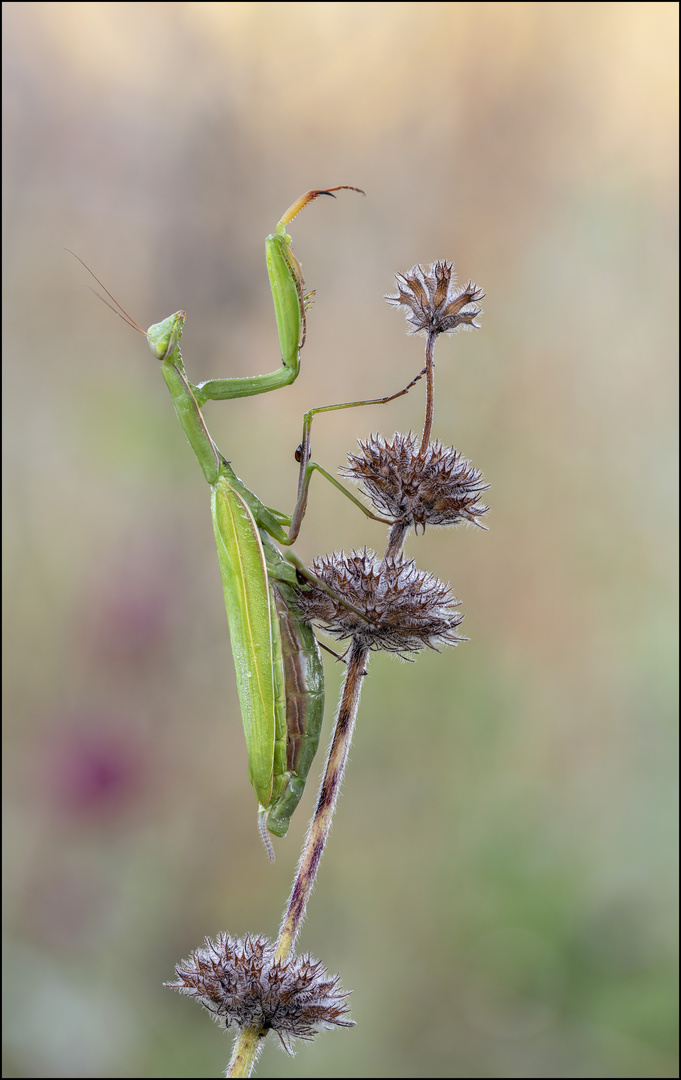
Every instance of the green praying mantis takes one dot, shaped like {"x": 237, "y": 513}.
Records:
{"x": 279, "y": 673}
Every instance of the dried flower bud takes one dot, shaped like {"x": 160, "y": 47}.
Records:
{"x": 403, "y": 609}
{"x": 241, "y": 982}
{"x": 438, "y": 487}
{"x": 432, "y": 301}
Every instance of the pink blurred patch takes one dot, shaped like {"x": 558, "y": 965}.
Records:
{"x": 95, "y": 767}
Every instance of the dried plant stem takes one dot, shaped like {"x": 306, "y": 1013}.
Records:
{"x": 430, "y": 392}
{"x": 326, "y": 800}
{"x": 398, "y": 533}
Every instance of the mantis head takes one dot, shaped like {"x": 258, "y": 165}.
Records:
{"x": 164, "y": 337}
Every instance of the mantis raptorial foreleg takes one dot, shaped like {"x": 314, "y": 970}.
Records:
{"x": 289, "y": 297}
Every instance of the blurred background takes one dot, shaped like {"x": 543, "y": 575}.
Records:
{"x": 499, "y": 890}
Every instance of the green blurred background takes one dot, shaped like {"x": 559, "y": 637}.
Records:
{"x": 499, "y": 891}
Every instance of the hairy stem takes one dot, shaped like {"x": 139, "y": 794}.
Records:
{"x": 430, "y": 392}
{"x": 247, "y": 1046}
{"x": 326, "y": 800}
{"x": 396, "y": 540}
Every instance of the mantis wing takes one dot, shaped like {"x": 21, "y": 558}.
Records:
{"x": 303, "y": 694}
{"x": 247, "y": 600}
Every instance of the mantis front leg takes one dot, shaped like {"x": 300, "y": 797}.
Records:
{"x": 290, "y": 301}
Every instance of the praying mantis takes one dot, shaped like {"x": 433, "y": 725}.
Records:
{"x": 279, "y": 673}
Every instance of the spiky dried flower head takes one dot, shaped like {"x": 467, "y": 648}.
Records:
{"x": 436, "y": 487}
{"x": 432, "y": 301}
{"x": 402, "y": 609}
{"x": 241, "y": 982}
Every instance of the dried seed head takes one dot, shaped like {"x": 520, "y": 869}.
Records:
{"x": 432, "y": 301}
{"x": 403, "y": 609}
{"x": 241, "y": 982}
{"x": 438, "y": 487}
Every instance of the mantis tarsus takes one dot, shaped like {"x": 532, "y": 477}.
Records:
{"x": 278, "y": 667}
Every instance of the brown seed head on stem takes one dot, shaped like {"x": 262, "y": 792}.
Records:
{"x": 405, "y": 609}
{"x": 437, "y": 487}
{"x": 434, "y": 305}
{"x": 241, "y": 982}
{"x": 432, "y": 301}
